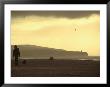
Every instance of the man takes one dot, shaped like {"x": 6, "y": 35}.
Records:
{"x": 16, "y": 54}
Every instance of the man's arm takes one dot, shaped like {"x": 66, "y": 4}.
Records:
{"x": 13, "y": 53}
{"x": 18, "y": 52}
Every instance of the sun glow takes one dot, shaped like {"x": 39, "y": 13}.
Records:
{"x": 62, "y": 33}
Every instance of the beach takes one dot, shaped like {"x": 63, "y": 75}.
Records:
{"x": 55, "y": 68}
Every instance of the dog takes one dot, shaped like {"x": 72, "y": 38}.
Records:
{"x": 24, "y": 62}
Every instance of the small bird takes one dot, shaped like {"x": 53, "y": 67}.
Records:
{"x": 75, "y": 29}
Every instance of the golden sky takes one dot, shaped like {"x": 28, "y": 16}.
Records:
{"x": 68, "y": 30}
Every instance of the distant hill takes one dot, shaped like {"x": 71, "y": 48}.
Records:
{"x": 38, "y": 52}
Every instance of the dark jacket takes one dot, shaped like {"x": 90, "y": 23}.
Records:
{"x": 16, "y": 52}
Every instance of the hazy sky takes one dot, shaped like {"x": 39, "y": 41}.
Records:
{"x": 69, "y": 30}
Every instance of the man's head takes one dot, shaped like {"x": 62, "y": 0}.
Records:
{"x": 15, "y": 46}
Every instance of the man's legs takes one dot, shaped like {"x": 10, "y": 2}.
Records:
{"x": 16, "y": 61}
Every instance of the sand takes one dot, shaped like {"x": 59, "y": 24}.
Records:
{"x": 56, "y": 68}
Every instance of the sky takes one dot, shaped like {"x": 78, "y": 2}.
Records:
{"x": 68, "y": 30}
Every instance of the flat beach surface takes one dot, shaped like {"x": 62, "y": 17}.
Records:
{"x": 56, "y": 68}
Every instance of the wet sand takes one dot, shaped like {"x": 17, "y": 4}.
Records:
{"x": 56, "y": 68}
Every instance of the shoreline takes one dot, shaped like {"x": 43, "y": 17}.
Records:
{"x": 94, "y": 59}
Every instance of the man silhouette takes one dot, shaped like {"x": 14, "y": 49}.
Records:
{"x": 16, "y": 54}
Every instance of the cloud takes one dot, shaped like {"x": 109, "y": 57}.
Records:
{"x": 56, "y": 14}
